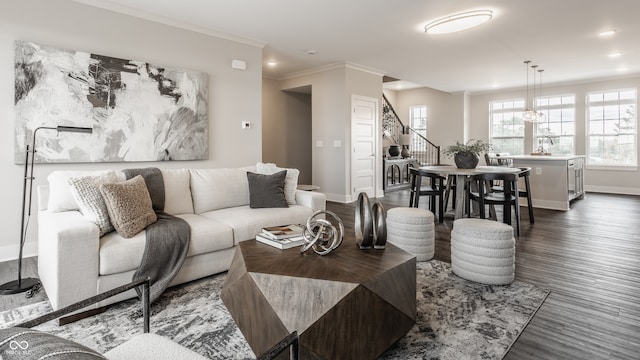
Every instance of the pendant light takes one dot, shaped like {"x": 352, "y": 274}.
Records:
{"x": 531, "y": 115}
{"x": 528, "y": 114}
{"x": 540, "y": 115}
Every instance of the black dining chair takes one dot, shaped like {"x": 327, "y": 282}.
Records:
{"x": 433, "y": 187}
{"x": 485, "y": 195}
{"x": 524, "y": 173}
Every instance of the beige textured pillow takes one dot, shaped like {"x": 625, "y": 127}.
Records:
{"x": 86, "y": 192}
{"x": 129, "y": 206}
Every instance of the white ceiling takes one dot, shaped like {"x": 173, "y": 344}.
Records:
{"x": 387, "y": 37}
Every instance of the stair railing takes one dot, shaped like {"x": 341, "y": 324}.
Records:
{"x": 423, "y": 150}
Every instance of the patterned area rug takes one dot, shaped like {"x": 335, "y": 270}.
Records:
{"x": 457, "y": 319}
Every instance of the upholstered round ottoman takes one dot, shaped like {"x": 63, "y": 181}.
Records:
{"x": 411, "y": 229}
{"x": 483, "y": 251}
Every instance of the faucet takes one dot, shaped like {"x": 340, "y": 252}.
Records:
{"x": 541, "y": 143}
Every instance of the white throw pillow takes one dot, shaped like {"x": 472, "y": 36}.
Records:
{"x": 177, "y": 191}
{"x": 290, "y": 181}
{"x": 86, "y": 192}
{"x": 60, "y": 197}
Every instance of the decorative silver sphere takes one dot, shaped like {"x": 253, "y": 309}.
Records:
{"x": 321, "y": 235}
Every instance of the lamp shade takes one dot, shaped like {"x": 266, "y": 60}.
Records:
{"x": 405, "y": 139}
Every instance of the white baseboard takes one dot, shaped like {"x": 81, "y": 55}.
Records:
{"x": 339, "y": 198}
{"x": 613, "y": 190}
{"x": 11, "y": 252}
{"x": 546, "y": 204}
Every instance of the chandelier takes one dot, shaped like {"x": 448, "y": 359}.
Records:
{"x": 531, "y": 115}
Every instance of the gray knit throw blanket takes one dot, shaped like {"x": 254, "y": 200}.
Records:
{"x": 167, "y": 241}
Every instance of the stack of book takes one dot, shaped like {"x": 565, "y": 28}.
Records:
{"x": 283, "y": 236}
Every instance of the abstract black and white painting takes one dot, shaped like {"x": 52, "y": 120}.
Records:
{"x": 138, "y": 111}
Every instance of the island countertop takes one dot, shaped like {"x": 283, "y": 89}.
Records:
{"x": 542, "y": 157}
{"x": 555, "y": 180}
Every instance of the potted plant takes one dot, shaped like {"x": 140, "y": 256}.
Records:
{"x": 466, "y": 156}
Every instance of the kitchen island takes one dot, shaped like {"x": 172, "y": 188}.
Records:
{"x": 555, "y": 180}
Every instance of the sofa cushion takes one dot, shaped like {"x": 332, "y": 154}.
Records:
{"x": 129, "y": 205}
{"x": 214, "y": 189}
{"x": 118, "y": 254}
{"x": 86, "y": 192}
{"x": 60, "y": 197}
{"x": 267, "y": 191}
{"x": 290, "y": 182}
{"x": 247, "y": 222}
{"x": 177, "y": 191}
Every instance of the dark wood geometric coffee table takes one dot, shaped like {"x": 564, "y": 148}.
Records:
{"x": 350, "y": 304}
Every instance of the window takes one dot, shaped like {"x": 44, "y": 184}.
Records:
{"x": 418, "y": 122}
{"x": 557, "y": 133}
{"x": 507, "y": 126}
{"x": 611, "y": 128}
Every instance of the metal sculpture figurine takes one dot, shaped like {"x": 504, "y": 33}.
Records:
{"x": 370, "y": 224}
{"x": 321, "y": 235}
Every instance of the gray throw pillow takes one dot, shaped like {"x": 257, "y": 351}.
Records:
{"x": 129, "y": 205}
{"x": 267, "y": 191}
{"x": 21, "y": 343}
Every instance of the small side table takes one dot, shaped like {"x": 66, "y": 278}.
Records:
{"x": 306, "y": 187}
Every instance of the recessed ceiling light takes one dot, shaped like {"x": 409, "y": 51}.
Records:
{"x": 311, "y": 52}
{"x": 622, "y": 69}
{"x": 458, "y": 22}
{"x": 607, "y": 33}
{"x": 615, "y": 54}
{"x": 272, "y": 63}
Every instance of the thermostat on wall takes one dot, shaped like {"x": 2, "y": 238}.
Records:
{"x": 239, "y": 64}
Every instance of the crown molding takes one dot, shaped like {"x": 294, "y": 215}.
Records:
{"x": 332, "y": 66}
{"x": 126, "y": 10}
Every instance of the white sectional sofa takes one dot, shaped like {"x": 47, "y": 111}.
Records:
{"x": 74, "y": 263}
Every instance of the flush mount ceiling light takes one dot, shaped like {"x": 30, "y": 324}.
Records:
{"x": 458, "y": 22}
{"x": 607, "y": 33}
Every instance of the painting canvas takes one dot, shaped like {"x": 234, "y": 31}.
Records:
{"x": 138, "y": 111}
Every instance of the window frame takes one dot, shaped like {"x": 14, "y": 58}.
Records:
{"x": 414, "y": 140}
{"x": 546, "y": 109}
{"x": 589, "y": 104}
{"x": 517, "y": 115}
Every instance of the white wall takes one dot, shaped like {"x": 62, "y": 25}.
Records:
{"x": 623, "y": 182}
{"x": 331, "y": 117}
{"x": 445, "y": 113}
{"x": 234, "y": 96}
{"x": 286, "y": 129}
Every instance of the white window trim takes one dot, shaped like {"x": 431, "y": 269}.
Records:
{"x": 558, "y": 106}
{"x": 587, "y": 119}
{"x": 524, "y": 135}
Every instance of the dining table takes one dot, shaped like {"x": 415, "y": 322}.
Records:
{"x": 461, "y": 176}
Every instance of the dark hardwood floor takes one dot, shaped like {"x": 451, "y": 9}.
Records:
{"x": 588, "y": 257}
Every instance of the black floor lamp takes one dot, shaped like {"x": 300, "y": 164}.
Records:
{"x": 21, "y": 285}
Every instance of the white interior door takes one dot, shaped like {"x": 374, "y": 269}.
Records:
{"x": 364, "y": 117}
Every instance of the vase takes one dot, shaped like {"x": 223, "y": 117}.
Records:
{"x": 394, "y": 150}
{"x": 466, "y": 160}
{"x": 405, "y": 152}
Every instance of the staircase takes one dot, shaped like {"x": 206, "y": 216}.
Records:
{"x": 424, "y": 151}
